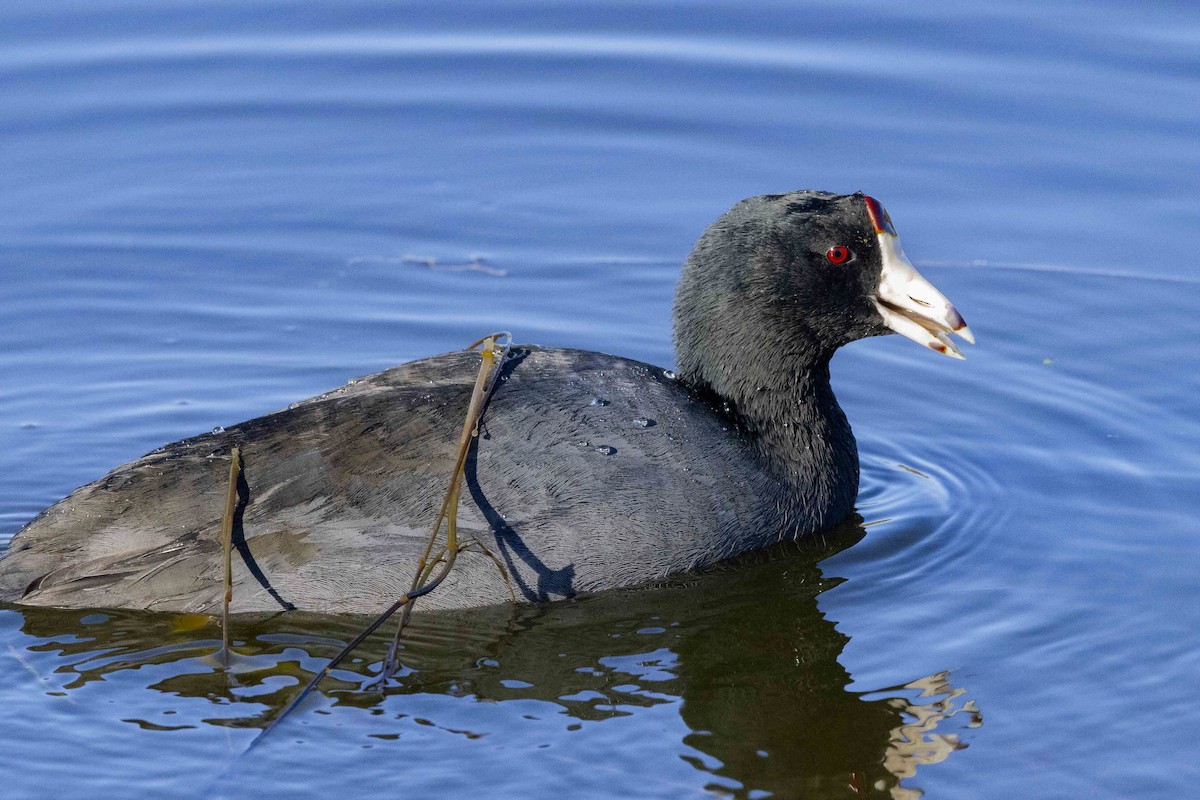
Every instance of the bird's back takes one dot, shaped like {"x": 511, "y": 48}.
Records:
{"x": 590, "y": 471}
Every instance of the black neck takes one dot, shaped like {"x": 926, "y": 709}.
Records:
{"x": 790, "y": 415}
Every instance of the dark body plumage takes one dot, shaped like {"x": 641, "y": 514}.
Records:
{"x": 341, "y": 492}
{"x": 590, "y": 471}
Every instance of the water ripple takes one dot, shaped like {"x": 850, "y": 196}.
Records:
{"x": 748, "y": 54}
{"x": 1060, "y": 269}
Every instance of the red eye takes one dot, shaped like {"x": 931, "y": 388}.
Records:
{"x": 838, "y": 254}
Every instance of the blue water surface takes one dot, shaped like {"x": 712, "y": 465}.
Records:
{"x": 210, "y": 211}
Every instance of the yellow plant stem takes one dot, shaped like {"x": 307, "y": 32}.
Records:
{"x": 231, "y": 497}
{"x": 425, "y": 579}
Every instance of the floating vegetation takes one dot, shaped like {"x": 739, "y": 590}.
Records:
{"x": 476, "y": 263}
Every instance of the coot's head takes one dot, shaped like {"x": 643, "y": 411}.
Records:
{"x": 787, "y": 278}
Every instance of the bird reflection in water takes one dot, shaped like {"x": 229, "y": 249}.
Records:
{"x": 743, "y": 650}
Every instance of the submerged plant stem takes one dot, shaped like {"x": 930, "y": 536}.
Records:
{"x": 485, "y": 381}
{"x": 426, "y": 576}
{"x": 231, "y": 497}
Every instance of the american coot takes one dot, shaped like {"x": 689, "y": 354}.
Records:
{"x": 589, "y": 472}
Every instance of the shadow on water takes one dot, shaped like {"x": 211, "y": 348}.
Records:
{"x": 743, "y": 651}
